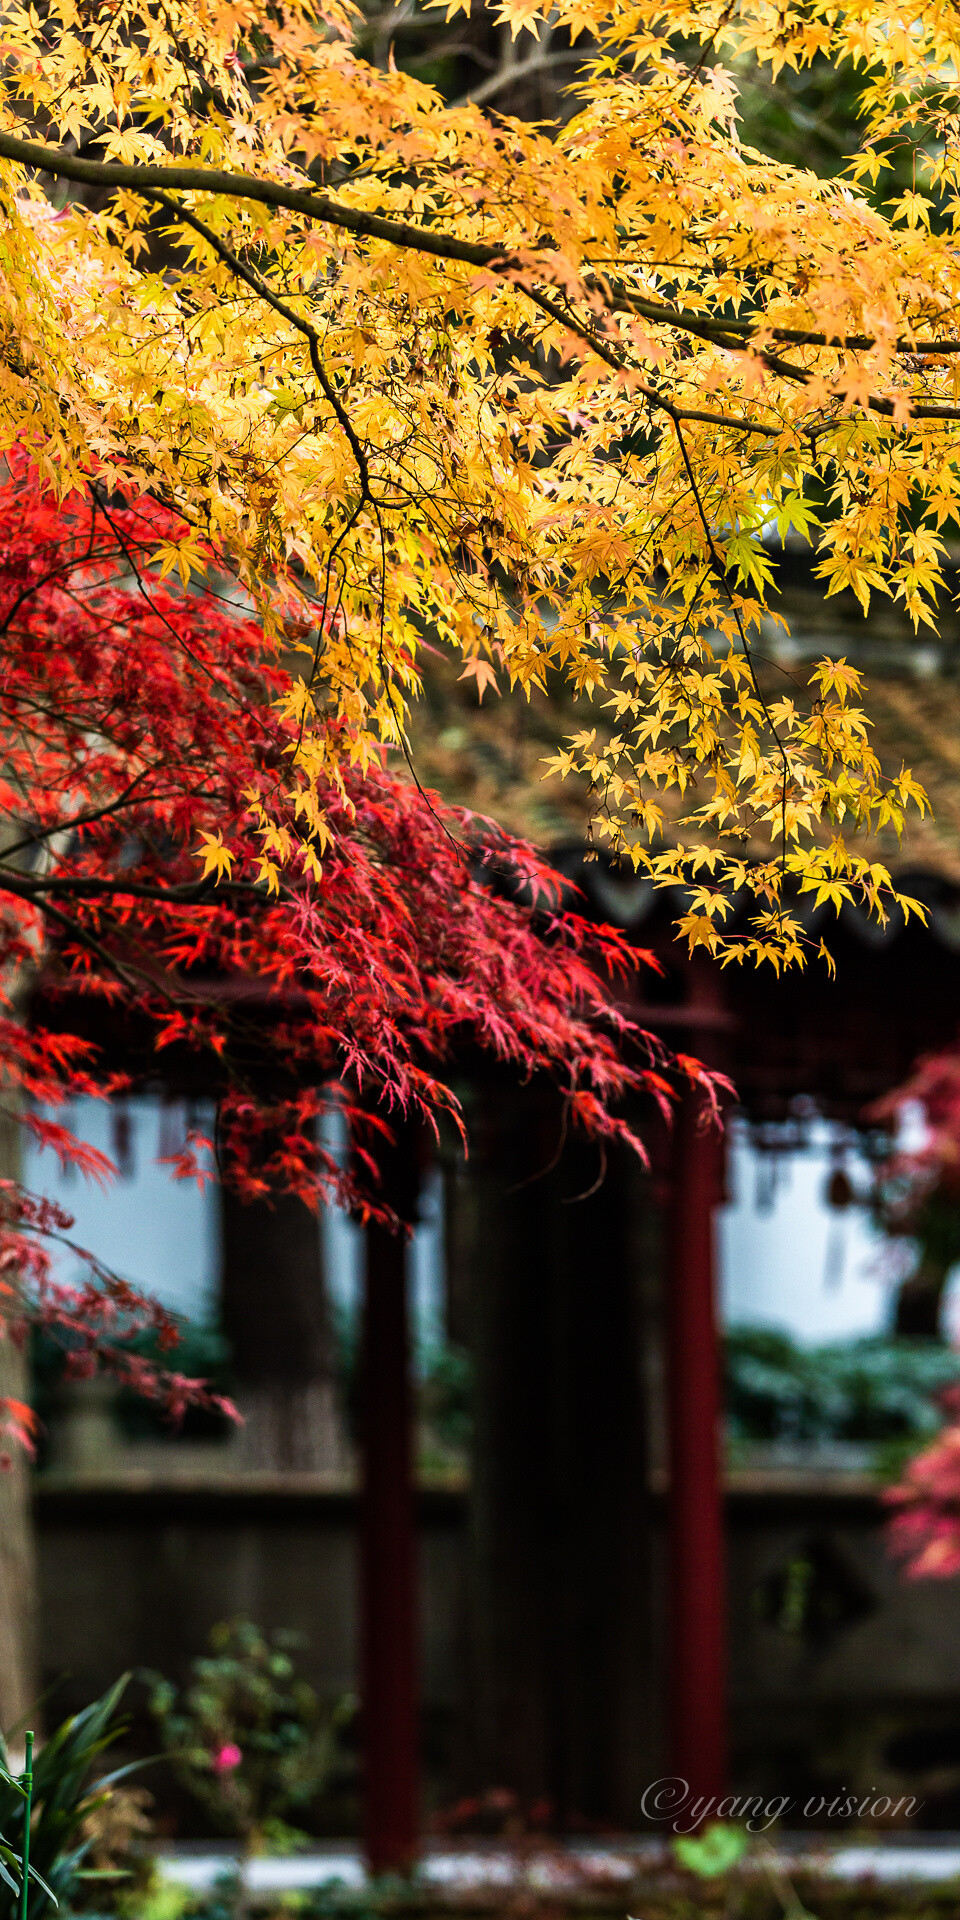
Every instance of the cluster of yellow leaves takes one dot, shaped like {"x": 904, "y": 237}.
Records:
{"x": 537, "y": 395}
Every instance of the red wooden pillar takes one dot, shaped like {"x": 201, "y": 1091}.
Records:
{"x": 388, "y": 1573}
{"x": 697, "y": 1626}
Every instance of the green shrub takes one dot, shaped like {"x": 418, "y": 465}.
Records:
{"x": 247, "y": 1737}
{"x": 875, "y": 1389}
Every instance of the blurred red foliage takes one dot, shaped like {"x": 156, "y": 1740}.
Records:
{"x": 924, "y": 1531}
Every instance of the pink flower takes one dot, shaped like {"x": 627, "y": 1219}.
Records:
{"x": 224, "y": 1758}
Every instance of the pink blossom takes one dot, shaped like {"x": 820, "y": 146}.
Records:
{"x": 224, "y": 1758}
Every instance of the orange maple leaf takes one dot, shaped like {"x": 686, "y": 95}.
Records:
{"x": 483, "y": 673}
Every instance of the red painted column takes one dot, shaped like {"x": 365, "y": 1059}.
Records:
{"x": 697, "y": 1623}
{"x": 388, "y": 1572}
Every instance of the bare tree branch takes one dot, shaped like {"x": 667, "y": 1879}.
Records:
{"x": 539, "y": 63}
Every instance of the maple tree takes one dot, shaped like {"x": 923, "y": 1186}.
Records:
{"x": 397, "y": 374}
{"x": 139, "y": 723}
{"x": 389, "y": 374}
{"x": 537, "y": 393}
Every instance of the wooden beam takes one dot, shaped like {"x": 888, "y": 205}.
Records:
{"x": 276, "y": 1316}
{"x": 697, "y": 1609}
{"x": 389, "y": 1682}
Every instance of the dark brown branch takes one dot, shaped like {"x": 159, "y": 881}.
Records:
{"x": 85, "y": 887}
{"x": 722, "y": 330}
{"x": 619, "y": 362}
{"x": 154, "y": 181}
{"x": 78, "y": 820}
{"x": 722, "y": 334}
{"x": 246, "y": 186}
{"x": 84, "y": 938}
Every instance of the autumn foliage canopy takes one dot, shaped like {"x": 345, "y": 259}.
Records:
{"x": 365, "y": 374}
{"x": 539, "y": 395}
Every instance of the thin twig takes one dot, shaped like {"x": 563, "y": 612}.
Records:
{"x": 722, "y": 573}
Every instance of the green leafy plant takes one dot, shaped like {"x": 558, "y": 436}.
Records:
{"x": 721, "y": 1846}
{"x": 724, "y": 1847}
{"x": 65, "y": 1792}
{"x": 876, "y": 1389}
{"x": 445, "y": 1395}
{"x": 248, "y": 1737}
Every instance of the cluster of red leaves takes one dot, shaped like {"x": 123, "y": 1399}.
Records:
{"x": 135, "y": 720}
{"x": 909, "y": 1177}
{"x": 498, "y": 1812}
{"x": 924, "y": 1531}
